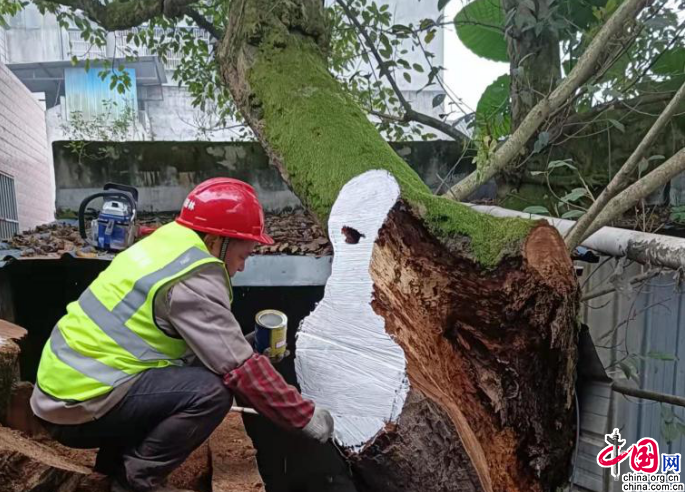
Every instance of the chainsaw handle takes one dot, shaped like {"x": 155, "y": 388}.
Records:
{"x": 119, "y": 187}
{"x": 82, "y": 208}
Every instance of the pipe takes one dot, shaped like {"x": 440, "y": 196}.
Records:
{"x": 642, "y": 247}
{"x": 250, "y": 411}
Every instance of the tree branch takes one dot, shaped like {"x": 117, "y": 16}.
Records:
{"x": 409, "y": 113}
{"x": 632, "y": 104}
{"x": 636, "y": 192}
{"x": 584, "y": 69}
{"x": 581, "y": 230}
{"x": 122, "y": 14}
{"x": 648, "y": 395}
{"x": 609, "y": 289}
{"x": 204, "y": 23}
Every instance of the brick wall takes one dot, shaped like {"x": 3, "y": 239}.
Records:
{"x": 24, "y": 151}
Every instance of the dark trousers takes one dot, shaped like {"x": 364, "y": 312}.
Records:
{"x": 165, "y": 415}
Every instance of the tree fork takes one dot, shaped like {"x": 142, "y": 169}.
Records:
{"x": 474, "y": 317}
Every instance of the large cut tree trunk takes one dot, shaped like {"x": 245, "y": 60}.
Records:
{"x": 445, "y": 345}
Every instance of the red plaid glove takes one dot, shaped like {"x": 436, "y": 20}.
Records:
{"x": 265, "y": 389}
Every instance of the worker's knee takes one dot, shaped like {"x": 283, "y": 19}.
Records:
{"x": 215, "y": 396}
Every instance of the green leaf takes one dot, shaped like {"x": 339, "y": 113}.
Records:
{"x": 574, "y": 195}
{"x": 556, "y": 164}
{"x": 661, "y": 356}
{"x": 407, "y": 77}
{"x": 536, "y": 209}
{"x": 429, "y": 36}
{"x": 579, "y": 12}
{"x": 437, "y": 100}
{"x": 619, "y": 126}
{"x": 480, "y": 26}
{"x": 642, "y": 167}
{"x": 573, "y": 214}
{"x": 627, "y": 370}
{"x": 418, "y": 67}
{"x": 541, "y": 142}
{"x": 493, "y": 112}
{"x": 669, "y": 431}
{"x": 443, "y": 3}
{"x": 670, "y": 63}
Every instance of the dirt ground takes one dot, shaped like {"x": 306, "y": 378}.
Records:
{"x": 230, "y": 466}
{"x": 233, "y": 458}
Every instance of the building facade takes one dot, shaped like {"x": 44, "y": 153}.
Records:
{"x": 27, "y": 179}
{"x": 41, "y": 54}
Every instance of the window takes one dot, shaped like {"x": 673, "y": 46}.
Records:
{"x": 9, "y": 218}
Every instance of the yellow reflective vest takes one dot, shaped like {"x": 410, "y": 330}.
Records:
{"x": 109, "y": 334}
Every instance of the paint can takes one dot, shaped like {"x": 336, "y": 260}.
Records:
{"x": 271, "y": 330}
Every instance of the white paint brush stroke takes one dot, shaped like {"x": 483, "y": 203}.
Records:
{"x": 346, "y": 362}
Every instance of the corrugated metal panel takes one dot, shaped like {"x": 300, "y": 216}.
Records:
{"x": 636, "y": 328}
{"x": 9, "y": 216}
{"x": 88, "y": 93}
{"x": 595, "y": 407}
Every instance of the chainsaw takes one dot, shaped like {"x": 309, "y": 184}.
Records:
{"x": 114, "y": 228}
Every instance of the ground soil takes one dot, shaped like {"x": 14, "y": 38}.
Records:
{"x": 233, "y": 458}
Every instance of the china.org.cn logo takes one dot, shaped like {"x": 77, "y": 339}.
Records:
{"x": 651, "y": 470}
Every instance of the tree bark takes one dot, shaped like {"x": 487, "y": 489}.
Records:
{"x": 535, "y": 67}
{"x": 470, "y": 320}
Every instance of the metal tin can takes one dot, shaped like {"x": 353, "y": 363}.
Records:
{"x": 271, "y": 330}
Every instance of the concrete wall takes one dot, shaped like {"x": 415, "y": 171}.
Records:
{"x": 171, "y": 116}
{"x": 33, "y": 37}
{"x": 165, "y": 172}
{"x": 24, "y": 153}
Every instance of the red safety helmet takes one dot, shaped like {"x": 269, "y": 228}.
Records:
{"x": 225, "y": 207}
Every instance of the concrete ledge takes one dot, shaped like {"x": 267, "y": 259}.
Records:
{"x": 284, "y": 271}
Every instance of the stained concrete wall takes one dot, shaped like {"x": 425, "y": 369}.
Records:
{"x": 24, "y": 152}
{"x": 164, "y": 172}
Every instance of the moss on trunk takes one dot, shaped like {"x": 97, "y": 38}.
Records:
{"x": 320, "y": 138}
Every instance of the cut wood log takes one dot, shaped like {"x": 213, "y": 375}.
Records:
{"x": 19, "y": 414}
{"x": 441, "y": 376}
{"x": 28, "y": 466}
{"x": 234, "y": 466}
{"x": 12, "y": 332}
{"x": 10, "y": 337}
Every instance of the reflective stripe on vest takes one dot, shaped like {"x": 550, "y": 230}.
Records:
{"x": 94, "y": 348}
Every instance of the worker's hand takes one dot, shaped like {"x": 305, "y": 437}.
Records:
{"x": 276, "y": 358}
{"x": 321, "y": 426}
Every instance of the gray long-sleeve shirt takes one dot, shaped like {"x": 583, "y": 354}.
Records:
{"x": 196, "y": 308}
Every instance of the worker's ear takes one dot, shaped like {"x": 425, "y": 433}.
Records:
{"x": 213, "y": 244}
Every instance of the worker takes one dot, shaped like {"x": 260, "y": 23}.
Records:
{"x": 145, "y": 364}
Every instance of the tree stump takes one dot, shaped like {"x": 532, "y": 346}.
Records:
{"x": 10, "y": 337}
{"x": 28, "y": 466}
{"x": 441, "y": 376}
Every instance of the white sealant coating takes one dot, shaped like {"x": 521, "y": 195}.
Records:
{"x": 346, "y": 362}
